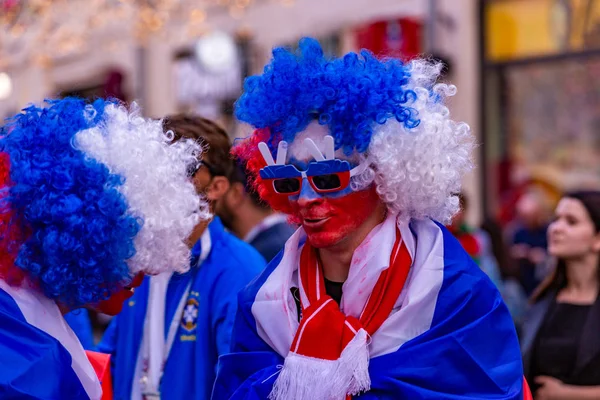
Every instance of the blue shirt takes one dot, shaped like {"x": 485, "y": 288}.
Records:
{"x": 191, "y": 365}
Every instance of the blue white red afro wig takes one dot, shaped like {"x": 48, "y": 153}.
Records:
{"x": 90, "y": 195}
{"x": 386, "y": 112}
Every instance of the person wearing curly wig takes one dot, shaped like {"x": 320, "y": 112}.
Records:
{"x": 560, "y": 340}
{"x": 93, "y": 197}
{"x": 372, "y": 297}
{"x": 167, "y": 341}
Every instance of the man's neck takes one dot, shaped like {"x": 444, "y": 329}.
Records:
{"x": 64, "y": 309}
{"x": 336, "y": 260}
{"x": 248, "y": 217}
{"x": 196, "y": 233}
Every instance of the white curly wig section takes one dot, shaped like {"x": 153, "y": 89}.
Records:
{"x": 156, "y": 185}
{"x": 419, "y": 171}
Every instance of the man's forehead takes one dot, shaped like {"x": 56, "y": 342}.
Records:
{"x": 299, "y": 151}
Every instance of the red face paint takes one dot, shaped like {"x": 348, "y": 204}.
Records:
{"x": 114, "y": 304}
{"x": 327, "y": 221}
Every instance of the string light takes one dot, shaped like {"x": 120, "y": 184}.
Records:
{"x": 45, "y": 29}
{"x": 5, "y": 86}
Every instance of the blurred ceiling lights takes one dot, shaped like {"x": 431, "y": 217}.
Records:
{"x": 216, "y": 51}
{"x": 55, "y": 28}
{"x": 5, "y": 86}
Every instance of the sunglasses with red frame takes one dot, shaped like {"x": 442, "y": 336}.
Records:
{"x": 324, "y": 176}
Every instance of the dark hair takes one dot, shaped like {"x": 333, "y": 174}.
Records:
{"x": 463, "y": 202}
{"x": 498, "y": 245}
{"x": 241, "y": 175}
{"x": 558, "y": 279}
{"x": 215, "y": 155}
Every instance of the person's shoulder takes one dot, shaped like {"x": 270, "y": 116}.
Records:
{"x": 282, "y": 231}
{"x": 30, "y": 353}
{"x": 238, "y": 252}
{"x": 248, "y": 294}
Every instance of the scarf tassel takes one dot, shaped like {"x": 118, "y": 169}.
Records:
{"x": 309, "y": 378}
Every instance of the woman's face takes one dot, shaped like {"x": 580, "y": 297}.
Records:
{"x": 572, "y": 234}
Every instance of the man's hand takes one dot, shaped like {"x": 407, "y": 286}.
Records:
{"x": 550, "y": 389}
{"x": 537, "y": 255}
{"x": 519, "y": 251}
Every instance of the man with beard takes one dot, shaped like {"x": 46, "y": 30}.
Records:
{"x": 251, "y": 219}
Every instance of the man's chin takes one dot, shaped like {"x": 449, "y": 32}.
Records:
{"x": 323, "y": 240}
{"x": 114, "y": 304}
{"x": 112, "y": 309}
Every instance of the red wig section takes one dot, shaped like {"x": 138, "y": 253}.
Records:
{"x": 11, "y": 234}
{"x": 247, "y": 151}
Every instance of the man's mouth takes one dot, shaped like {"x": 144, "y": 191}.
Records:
{"x": 314, "y": 222}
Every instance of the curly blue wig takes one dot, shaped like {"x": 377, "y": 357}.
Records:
{"x": 351, "y": 95}
{"x": 80, "y": 231}
{"x": 391, "y": 113}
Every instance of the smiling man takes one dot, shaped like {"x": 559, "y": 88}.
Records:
{"x": 372, "y": 298}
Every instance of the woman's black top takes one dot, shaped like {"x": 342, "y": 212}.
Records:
{"x": 558, "y": 341}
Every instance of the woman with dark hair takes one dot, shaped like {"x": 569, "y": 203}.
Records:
{"x": 561, "y": 336}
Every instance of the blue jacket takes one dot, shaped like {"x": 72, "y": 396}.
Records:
{"x": 191, "y": 365}
{"x": 79, "y": 321}
{"x": 271, "y": 241}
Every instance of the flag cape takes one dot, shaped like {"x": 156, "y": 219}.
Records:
{"x": 450, "y": 336}
{"x": 41, "y": 358}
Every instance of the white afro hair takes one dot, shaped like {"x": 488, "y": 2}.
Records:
{"x": 156, "y": 185}
{"x": 419, "y": 171}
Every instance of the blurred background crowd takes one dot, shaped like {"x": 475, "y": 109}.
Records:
{"x": 527, "y": 72}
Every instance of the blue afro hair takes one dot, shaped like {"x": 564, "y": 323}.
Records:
{"x": 79, "y": 231}
{"x": 350, "y": 94}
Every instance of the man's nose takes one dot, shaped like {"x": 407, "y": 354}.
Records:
{"x": 307, "y": 194}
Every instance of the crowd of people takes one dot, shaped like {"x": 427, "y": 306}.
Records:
{"x": 325, "y": 256}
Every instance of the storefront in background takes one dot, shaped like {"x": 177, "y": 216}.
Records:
{"x": 540, "y": 97}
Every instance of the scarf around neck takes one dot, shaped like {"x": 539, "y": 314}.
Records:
{"x": 329, "y": 355}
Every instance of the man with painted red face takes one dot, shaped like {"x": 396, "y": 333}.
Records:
{"x": 93, "y": 197}
{"x": 372, "y": 297}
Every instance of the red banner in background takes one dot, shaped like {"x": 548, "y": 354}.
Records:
{"x": 398, "y": 38}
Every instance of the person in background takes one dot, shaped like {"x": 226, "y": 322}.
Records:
{"x": 168, "y": 338}
{"x": 561, "y": 334}
{"x": 495, "y": 253}
{"x": 251, "y": 219}
{"x": 476, "y": 242}
{"x": 528, "y": 242}
{"x": 464, "y": 232}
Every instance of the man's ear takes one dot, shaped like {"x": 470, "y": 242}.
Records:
{"x": 219, "y": 185}
{"x": 236, "y": 195}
